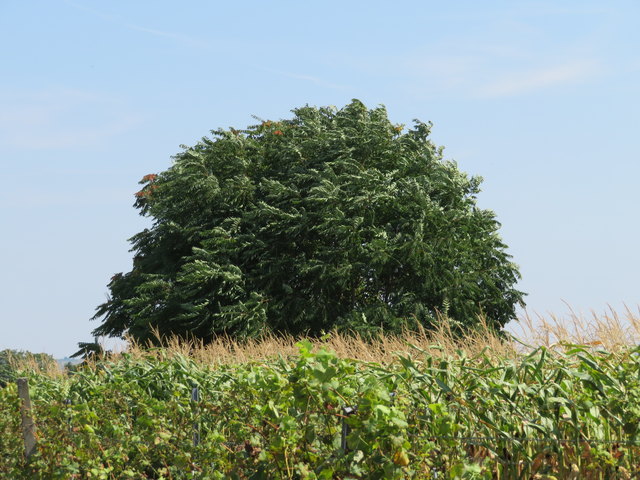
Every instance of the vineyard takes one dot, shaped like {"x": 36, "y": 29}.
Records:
{"x": 564, "y": 412}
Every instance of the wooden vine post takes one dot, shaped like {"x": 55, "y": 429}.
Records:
{"x": 28, "y": 425}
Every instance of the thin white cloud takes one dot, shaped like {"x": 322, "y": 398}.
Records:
{"x": 61, "y": 118}
{"x": 185, "y": 39}
{"x": 194, "y": 42}
{"x": 181, "y": 38}
{"x": 511, "y": 84}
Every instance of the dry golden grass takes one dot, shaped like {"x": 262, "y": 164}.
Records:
{"x": 382, "y": 349}
{"x": 610, "y": 331}
{"x": 30, "y": 363}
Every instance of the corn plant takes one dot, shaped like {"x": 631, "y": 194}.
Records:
{"x": 570, "y": 413}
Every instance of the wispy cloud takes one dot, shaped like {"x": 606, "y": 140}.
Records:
{"x": 510, "y": 84}
{"x": 487, "y": 72}
{"x": 197, "y": 43}
{"x": 61, "y": 118}
{"x": 185, "y": 39}
{"x": 179, "y": 37}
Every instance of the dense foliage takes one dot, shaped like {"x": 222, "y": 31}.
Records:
{"x": 331, "y": 219}
{"x": 545, "y": 415}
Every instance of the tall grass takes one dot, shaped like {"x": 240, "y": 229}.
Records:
{"x": 611, "y": 331}
{"x": 32, "y": 363}
{"x": 381, "y": 349}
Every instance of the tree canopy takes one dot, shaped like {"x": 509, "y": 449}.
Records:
{"x": 334, "y": 218}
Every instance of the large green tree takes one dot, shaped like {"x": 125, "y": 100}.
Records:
{"x": 330, "y": 219}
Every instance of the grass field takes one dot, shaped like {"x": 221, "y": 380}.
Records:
{"x": 562, "y": 401}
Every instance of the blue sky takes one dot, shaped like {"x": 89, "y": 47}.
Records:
{"x": 542, "y": 99}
